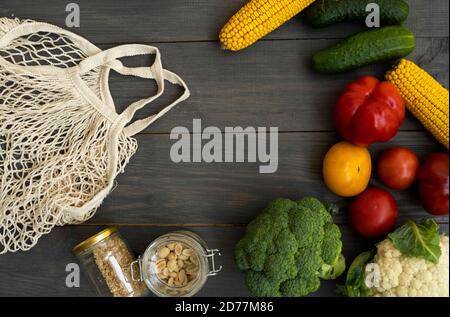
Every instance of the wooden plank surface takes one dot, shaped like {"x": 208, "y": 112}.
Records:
{"x": 114, "y": 21}
{"x": 252, "y": 88}
{"x": 155, "y": 190}
{"x": 28, "y": 274}
{"x": 269, "y": 84}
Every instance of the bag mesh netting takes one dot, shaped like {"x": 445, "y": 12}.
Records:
{"x": 61, "y": 141}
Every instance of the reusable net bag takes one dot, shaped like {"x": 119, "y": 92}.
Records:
{"x": 62, "y": 143}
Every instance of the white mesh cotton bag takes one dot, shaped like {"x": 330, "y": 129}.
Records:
{"x": 62, "y": 143}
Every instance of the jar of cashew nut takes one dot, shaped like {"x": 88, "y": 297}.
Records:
{"x": 176, "y": 264}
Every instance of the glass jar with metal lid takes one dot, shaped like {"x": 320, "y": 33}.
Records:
{"x": 107, "y": 259}
{"x": 176, "y": 264}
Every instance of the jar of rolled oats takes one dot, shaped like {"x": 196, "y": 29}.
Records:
{"x": 107, "y": 258}
{"x": 176, "y": 264}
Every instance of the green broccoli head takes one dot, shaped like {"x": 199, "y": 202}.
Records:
{"x": 289, "y": 247}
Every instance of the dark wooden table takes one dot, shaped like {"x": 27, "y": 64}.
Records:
{"x": 269, "y": 84}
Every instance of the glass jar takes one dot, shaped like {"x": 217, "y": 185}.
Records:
{"x": 176, "y": 264}
{"x": 107, "y": 259}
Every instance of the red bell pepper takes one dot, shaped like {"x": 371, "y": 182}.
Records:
{"x": 433, "y": 183}
{"x": 369, "y": 111}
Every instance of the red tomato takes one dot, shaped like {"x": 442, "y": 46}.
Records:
{"x": 369, "y": 111}
{"x": 433, "y": 183}
{"x": 373, "y": 213}
{"x": 397, "y": 167}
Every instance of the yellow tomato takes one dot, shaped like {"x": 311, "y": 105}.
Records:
{"x": 346, "y": 169}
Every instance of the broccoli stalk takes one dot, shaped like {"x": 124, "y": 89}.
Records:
{"x": 289, "y": 248}
{"x": 332, "y": 272}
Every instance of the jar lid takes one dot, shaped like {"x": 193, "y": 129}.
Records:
{"x": 89, "y": 242}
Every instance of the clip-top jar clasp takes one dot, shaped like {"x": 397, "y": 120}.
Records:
{"x": 139, "y": 269}
{"x": 210, "y": 255}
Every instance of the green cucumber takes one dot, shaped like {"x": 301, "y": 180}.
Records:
{"x": 326, "y": 12}
{"x": 365, "y": 48}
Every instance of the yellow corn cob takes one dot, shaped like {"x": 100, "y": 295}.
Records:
{"x": 424, "y": 96}
{"x": 256, "y": 19}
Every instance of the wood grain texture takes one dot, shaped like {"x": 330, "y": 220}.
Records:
{"x": 269, "y": 84}
{"x": 41, "y": 271}
{"x": 114, "y": 21}
{"x": 272, "y": 85}
{"x": 153, "y": 189}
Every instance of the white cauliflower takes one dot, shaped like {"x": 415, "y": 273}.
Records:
{"x": 400, "y": 275}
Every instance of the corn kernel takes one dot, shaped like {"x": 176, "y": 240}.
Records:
{"x": 425, "y": 98}
{"x": 256, "y": 19}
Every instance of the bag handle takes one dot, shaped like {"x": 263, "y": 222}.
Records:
{"x": 141, "y": 124}
{"x": 110, "y": 58}
{"x": 156, "y": 72}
